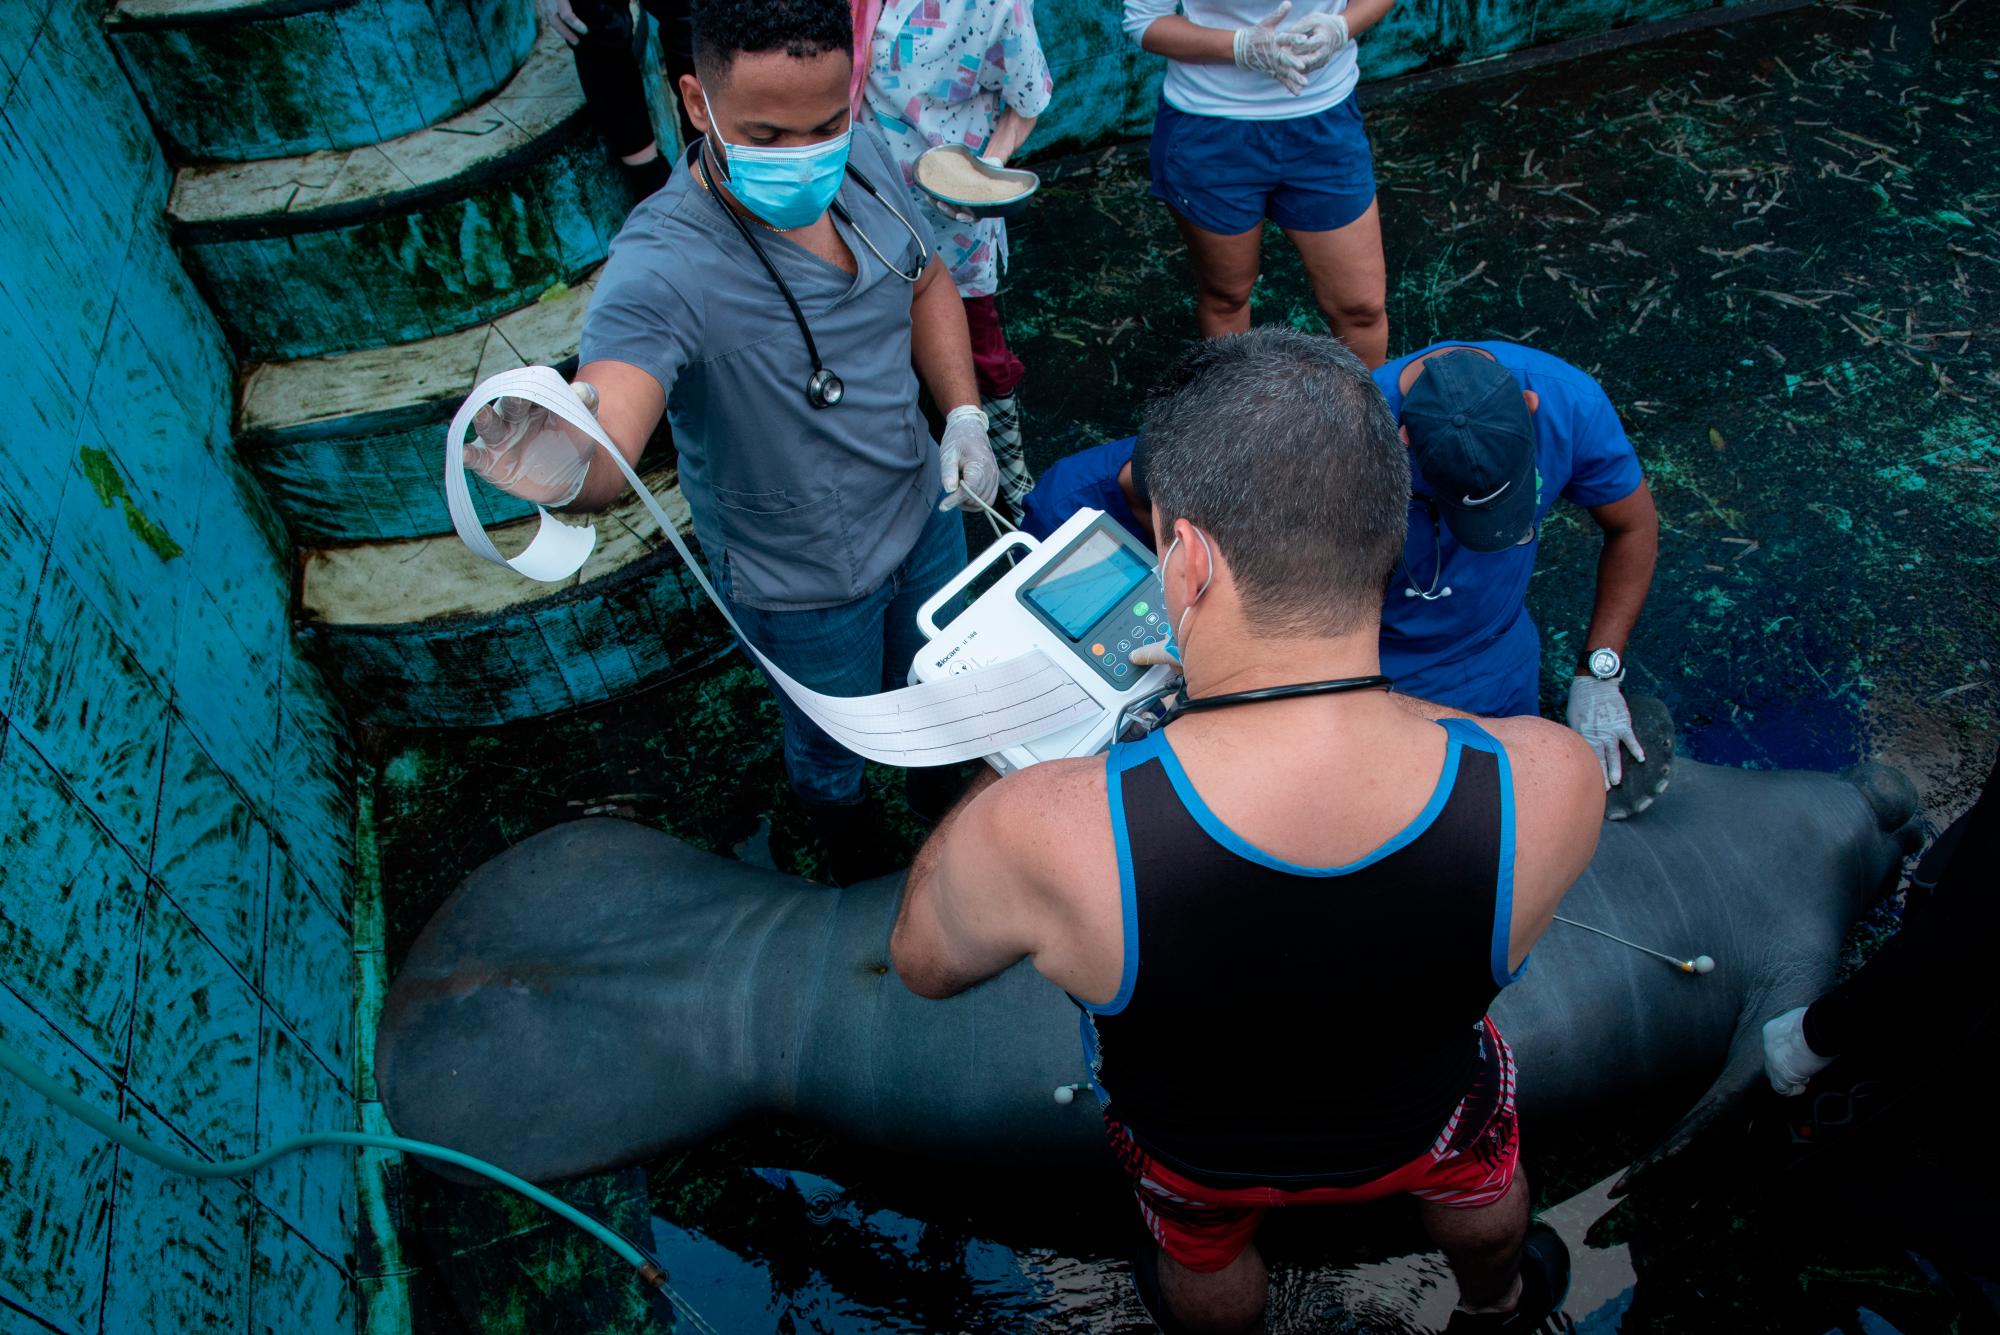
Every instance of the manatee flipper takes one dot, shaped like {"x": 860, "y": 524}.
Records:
{"x": 1893, "y": 799}
{"x": 1644, "y": 780}
{"x": 1742, "y": 1074}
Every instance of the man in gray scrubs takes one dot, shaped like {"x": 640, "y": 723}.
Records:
{"x": 826, "y": 525}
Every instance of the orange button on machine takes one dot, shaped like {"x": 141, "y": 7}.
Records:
{"x": 1097, "y": 649}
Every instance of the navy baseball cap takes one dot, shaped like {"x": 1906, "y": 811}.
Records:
{"x": 1474, "y": 442}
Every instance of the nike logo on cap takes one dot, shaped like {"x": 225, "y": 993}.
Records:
{"x": 1468, "y": 500}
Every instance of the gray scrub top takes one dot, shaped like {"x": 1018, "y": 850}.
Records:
{"x": 803, "y": 507}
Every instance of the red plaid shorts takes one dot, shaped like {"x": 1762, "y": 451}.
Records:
{"x": 1471, "y": 1164}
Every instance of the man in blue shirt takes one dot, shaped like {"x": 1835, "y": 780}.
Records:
{"x": 1497, "y": 432}
{"x": 1099, "y": 478}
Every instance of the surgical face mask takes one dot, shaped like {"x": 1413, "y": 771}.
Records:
{"x": 1160, "y": 572}
{"x": 786, "y": 187}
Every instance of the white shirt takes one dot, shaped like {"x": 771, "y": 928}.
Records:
{"x": 1226, "y": 90}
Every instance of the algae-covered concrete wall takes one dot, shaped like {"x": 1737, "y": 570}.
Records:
{"x": 175, "y": 787}
{"x": 1106, "y": 88}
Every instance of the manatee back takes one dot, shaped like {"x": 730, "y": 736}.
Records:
{"x": 1762, "y": 871}
{"x": 972, "y": 1077}
{"x": 602, "y": 993}
{"x": 589, "y": 998}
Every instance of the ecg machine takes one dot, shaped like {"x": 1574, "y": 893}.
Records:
{"x": 1087, "y": 596}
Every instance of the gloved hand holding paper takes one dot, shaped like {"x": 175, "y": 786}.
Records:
{"x": 962, "y": 717}
{"x": 526, "y": 453}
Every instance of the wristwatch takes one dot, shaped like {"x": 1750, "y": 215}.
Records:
{"x": 1603, "y": 664}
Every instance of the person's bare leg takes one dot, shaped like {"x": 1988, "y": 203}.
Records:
{"x": 1483, "y": 1246}
{"x": 1349, "y": 281}
{"x": 1221, "y": 1302}
{"x": 1225, "y": 269}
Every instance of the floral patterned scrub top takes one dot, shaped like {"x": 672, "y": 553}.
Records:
{"x": 939, "y": 72}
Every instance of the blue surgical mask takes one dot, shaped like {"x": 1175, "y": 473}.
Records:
{"x": 1175, "y": 633}
{"x": 1160, "y": 574}
{"x": 786, "y": 187}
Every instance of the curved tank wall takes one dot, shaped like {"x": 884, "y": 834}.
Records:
{"x": 174, "y": 866}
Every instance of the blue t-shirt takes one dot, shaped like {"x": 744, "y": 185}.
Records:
{"x": 1476, "y": 649}
{"x": 1088, "y": 478}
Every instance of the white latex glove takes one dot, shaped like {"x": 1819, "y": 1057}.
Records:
{"x": 965, "y": 459}
{"x": 1268, "y": 51}
{"x": 1598, "y": 711}
{"x": 1160, "y": 653}
{"x": 526, "y": 453}
{"x": 1788, "y": 1062}
{"x": 1319, "y": 38}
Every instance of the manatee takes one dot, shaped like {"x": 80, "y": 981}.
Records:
{"x": 602, "y": 993}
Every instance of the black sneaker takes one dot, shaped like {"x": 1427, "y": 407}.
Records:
{"x": 1544, "y": 1286}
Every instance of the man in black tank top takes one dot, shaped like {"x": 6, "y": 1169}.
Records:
{"x": 1283, "y": 921}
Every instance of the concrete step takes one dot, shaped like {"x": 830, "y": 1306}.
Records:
{"x": 239, "y": 79}
{"x": 422, "y": 633}
{"x": 350, "y": 448}
{"x": 411, "y": 238}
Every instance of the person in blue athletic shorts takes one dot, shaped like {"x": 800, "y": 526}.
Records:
{"x": 1257, "y": 120}
{"x": 1455, "y": 624}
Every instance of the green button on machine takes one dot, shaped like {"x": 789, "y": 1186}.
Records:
{"x": 1139, "y": 609}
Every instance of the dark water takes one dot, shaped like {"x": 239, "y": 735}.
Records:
{"x": 1776, "y": 245}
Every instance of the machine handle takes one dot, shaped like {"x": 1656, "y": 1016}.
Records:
{"x": 958, "y": 583}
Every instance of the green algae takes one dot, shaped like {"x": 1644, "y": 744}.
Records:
{"x": 103, "y": 477}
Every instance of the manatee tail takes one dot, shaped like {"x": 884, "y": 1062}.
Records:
{"x": 1741, "y": 1075}
{"x": 1893, "y": 800}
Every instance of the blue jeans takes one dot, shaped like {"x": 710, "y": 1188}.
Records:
{"x": 856, "y": 648}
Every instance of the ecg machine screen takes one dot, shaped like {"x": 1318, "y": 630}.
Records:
{"x": 1092, "y": 579}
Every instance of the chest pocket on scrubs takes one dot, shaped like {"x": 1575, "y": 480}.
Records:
{"x": 781, "y": 552}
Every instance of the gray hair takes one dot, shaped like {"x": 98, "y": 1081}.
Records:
{"x": 1279, "y": 445}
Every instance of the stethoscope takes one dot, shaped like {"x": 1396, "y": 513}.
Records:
{"x": 1139, "y": 713}
{"x": 1433, "y": 593}
{"x": 824, "y": 388}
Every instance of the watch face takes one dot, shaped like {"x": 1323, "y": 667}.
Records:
{"x": 1604, "y": 663}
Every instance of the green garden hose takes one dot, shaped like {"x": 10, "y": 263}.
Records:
{"x": 650, "y": 1271}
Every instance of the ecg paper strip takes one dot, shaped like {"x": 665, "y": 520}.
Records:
{"x": 963, "y": 717}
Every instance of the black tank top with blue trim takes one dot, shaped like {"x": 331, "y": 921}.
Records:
{"x": 1301, "y": 1026}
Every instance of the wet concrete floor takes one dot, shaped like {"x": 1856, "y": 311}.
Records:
{"x": 1777, "y": 244}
